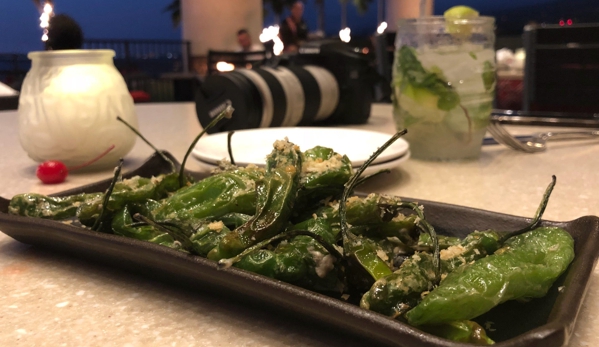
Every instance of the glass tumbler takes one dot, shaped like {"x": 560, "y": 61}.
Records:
{"x": 444, "y": 85}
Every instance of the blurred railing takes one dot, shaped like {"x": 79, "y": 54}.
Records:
{"x": 153, "y": 66}
{"x": 149, "y": 65}
{"x": 150, "y": 56}
{"x": 13, "y": 67}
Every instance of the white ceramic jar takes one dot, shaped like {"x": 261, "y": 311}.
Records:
{"x": 68, "y": 107}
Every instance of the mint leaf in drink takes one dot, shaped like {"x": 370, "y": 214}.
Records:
{"x": 418, "y": 77}
{"x": 448, "y": 101}
{"x": 488, "y": 75}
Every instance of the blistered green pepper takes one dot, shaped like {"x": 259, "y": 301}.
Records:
{"x": 395, "y": 294}
{"x": 425, "y": 242}
{"x": 49, "y": 207}
{"x": 234, "y": 220}
{"x": 324, "y": 173}
{"x": 166, "y": 185}
{"x": 275, "y": 197}
{"x": 398, "y": 293}
{"x": 361, "y": 255}
{"x": 524, "y": 268}
{"x": 122, "y": 225}
{"x": 365, "y": 263}
{"x": 374, "y": 218}
{"x": 369, "y": 216}
{"x": 133, "y": 190}
{"x": 199, "y": 236}
{"x": 461, "y": 331}
{"x": 322, "y": 167}
{"x": 138, "y": 190}
{"x": 207, "y": 235}
{"x": 223, "y": 193}
{"x": 301, "y": 260}
{"x": 88, "y": 212}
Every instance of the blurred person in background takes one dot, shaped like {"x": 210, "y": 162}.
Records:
{"x": 293, "y": 30}
{"x": 245, "y": 42}
{"x": 63, "y": 33}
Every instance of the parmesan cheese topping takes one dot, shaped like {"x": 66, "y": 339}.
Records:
{"x": 452, "y": 252}
{"x": 381, "y": 254}
{"x": 216, "y": 226}
{"x": 324, "y": 263}
{"x": 284, "y": 146}
{"x": 312, "y": 165}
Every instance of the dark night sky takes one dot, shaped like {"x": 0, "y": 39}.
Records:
{"x": 20, "y": 32}
{"x": 19, "y": 21}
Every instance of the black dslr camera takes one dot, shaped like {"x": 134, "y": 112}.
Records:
{"x": 326, "y": 82}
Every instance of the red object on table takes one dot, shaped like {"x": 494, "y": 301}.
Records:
{"x": 510, "y": 91}
{"x": 52, "y": 171}
{"x": 140, "y": 96}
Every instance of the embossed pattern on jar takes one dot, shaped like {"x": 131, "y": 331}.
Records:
{"x": 68, "y": 107}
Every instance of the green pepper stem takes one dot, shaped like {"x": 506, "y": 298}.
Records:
{"x": 426, "y": 227}
{"x": 538, "y": 215}
{"x": 354, "y": 179}
{"x": 429, "y": 229}
{"x": 367, "y": 178}
{"x": 117, "y": 174}
{"x": 225, "y": 263}
{"x": 176, "y": 233}
{"x": 226, "y": 113}
{"x": 229, "y": 148}
{"x": 164, "y": 157}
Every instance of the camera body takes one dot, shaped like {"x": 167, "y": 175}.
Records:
{"x": 326, "y": 82}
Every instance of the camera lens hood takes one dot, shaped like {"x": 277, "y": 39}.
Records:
{"x": 312, "y": 94}
{"x": 329, "y": 90}
{"x": 232, "y": 88}
{"x": 294, "y": 94}
{"x": 265, "y": 94}
{"x": 278, "y": 97}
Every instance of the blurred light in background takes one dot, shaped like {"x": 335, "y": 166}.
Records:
{"x": 345, "y": 34}
{"x": 223, "y": 66}
{"x": 272, "y": 34}
{"x": 48, "y": 12}
{"x": 382, "y": 27}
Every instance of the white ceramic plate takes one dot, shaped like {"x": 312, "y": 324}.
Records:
{"x": 252, "y": 146}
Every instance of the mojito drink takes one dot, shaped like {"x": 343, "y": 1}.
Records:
{"x": 443, "y": 94}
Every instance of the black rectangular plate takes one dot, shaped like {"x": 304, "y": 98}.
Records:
{"x": 546, "y": 322}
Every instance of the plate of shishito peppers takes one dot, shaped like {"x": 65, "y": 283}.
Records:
{"x": 298, "y": 221}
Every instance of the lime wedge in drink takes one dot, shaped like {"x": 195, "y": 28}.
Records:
{"x": 420, "y": 103}
{"x": 456, "y": 18}
{"x": 460, "y": 12}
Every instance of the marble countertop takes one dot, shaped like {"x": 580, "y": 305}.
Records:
{"x": 50, "y": 299}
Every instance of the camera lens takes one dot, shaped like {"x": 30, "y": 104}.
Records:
{"x": 329, "y": 91}
{"x": 311, "y": 94}
{"x": 278, "y": 96}
{"x": 326, "y": 82}
{"x": 294, "y": 94}
{"x": 265, "y": 95}
{"x": 269, "y": 97}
